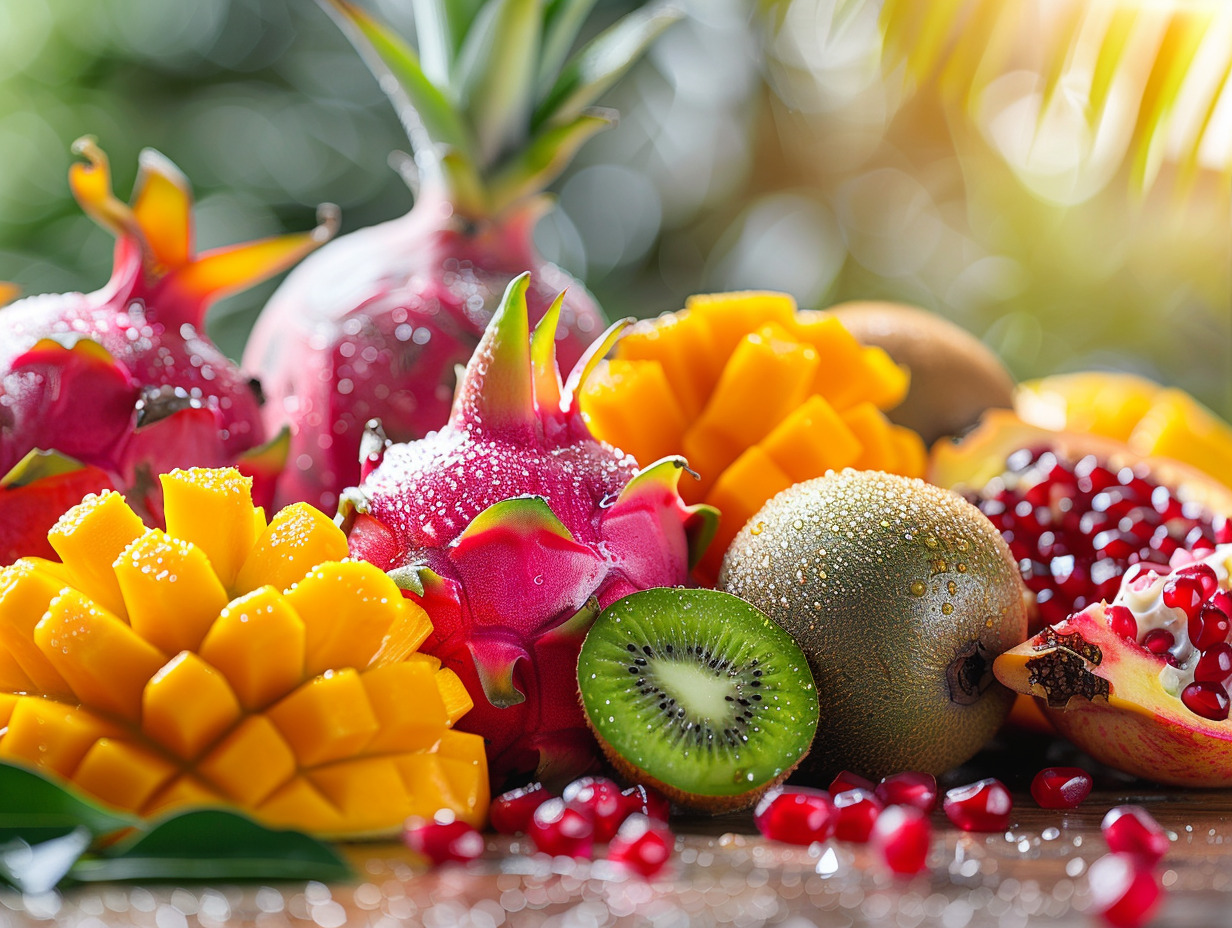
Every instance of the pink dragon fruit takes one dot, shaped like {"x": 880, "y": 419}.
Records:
{"x": 375, "y": 324}
{"x": 106, "y": 390}
{"x": 512, "y": 526}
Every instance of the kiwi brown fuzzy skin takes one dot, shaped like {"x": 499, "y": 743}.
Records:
{"x": 900, "y": 594}
{"x": 954, "y": 376}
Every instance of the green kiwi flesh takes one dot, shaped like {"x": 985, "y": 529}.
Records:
{"x": 697, "y": 693}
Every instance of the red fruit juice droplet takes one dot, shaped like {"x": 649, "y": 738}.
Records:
{"x": 901, "y": 836}
{"x": 443, "y": 840}
{"x": 1061, "y": 787}
{"x": 561, "y": 830}
{"x": 918, "y": 790}
{"x": 1123, "y": 892}
{"x": 642, "y": 844}
{"x": 510, "y": 812}
{"x": 981, "y": 806}
{"x": 1130, "y": 829}
{"x": 796, "y": 815}
{"x": 857, "y": 811}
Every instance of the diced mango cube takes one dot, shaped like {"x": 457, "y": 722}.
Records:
{"x": 811, "y": 440}
{"x": 365, "y": 791}
{"x": 871, "y": 427}
{"x": 454, "y": 693}
{"x": 732, "y": 316}
{"x": 910, "y": 455}
{"x": 25, "y": 593}
{"x": 104, "y": 662}
{"x": 410, "y": 628}
{"x": 327, "y": 718}
{"x": 681, "y": 344}
{"x": 258, "y": 643}
{"x": 347, "y": 608}
{"x": 121, "y": 773}
{"x": 172, "y": 593}
{"x": 249, "y": 763}
{"x": 890, "y": 381}
{"x": 299, "y": 804}
{"x": 213, "y": 510}
{"x": 741, "y": 490}
{"x": 8, "y": 701}
{"x": 89, "y": 537}
{"x": 436, "y": 782}
{"x": 299, "y": 538}
{"x": 182, "y": 793}
{"x": 187, "y": 705}
{"x": 50, "y": 735}
{"x": 409, "y": 709}
{"x": 631, "y": 405}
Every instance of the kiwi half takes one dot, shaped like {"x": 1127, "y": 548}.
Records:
{"x": 699, "y": 694}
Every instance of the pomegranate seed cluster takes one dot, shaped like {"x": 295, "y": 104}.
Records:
{"x": 1074, "y": 527}
{"x": 1183, "y": 616}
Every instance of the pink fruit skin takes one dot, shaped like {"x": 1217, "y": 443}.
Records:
{"x": 374, "y": 325}
{"x": 510, "y": 522}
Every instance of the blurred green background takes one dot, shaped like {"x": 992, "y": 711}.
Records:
{"x": 990, "y": 159}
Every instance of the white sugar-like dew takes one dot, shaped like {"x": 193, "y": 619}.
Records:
{"x": 700, "y": 692}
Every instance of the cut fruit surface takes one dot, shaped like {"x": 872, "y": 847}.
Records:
{"x": 757, "y": 396}
{"x": 283, "y": 682}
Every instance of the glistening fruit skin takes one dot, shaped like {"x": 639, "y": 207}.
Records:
{"x": 954, "y": 376}
{"x": 512, "y": 527}
{"x": 106, "y": 390}
{"x": 698, "y": 695}
{"x": 226, "y": 662}
{"x": 900, "y": 594}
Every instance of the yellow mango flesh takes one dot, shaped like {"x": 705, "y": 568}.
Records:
{"x": 307, "y": 709}
{"x": 749, "y": 371}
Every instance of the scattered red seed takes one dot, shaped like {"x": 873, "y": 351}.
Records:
{"x": 647, "y": 801}
{"x": 510, "y": 812}
{"x": 911, "y": 788}
{"x": 443, "y": 840}
{"x": 642, "y": 844}
{"x": 901, "y": 836}
{"x": 857, "y": 811}
{"x": 1209, "y": 700}
{"x": 1158, "y": 640}
{"x": 602, "y": 800}
{"x": 847, "y": 780}
{"x": 561, "y": 830}
{"x": 1132, "y": 830}
{"x": 1124, "y": 893}
{"x": 796, "y": 815}
{"x": 1061, "y": 787}
{"x": 981, "y": 806}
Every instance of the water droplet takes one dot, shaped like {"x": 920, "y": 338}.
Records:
{"x": 947, "y": 608}
{"x": 918, "y": 588}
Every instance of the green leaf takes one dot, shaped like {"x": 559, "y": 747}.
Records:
{"x": 38, "y": 868}
{"x": 35, "y": 809}
{"x": 562, "y": 21}
{"x": 540, "y": 162}
{"x": 602, "y": 62}
{"x": 37, "y": 465}
{"x": 497, "y": 74}
{"x": 215, "y": 844}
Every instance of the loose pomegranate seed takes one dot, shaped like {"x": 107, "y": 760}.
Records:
{"x": 857, "y": 811}
{"x": 1122, "y": 622}
{"x": 1061, "y": 787}
{"x": 1209, "y": 700}
{"x": 647, "y": 801}
{"x": 642, "y": 844}
{"x": 562, "y": 830}
{"x": 1158, "y": 640}
{"x": 981, "y": 806}
{"x": 918, "y": 790}
{"x": 443, "y": 840}
{"x": 901, "y": 836}
{"x": 510, "y": 812}
{"x": 602, "y": 800}
{"x": 1209, "y": 627}
{"x": 1215, "y": 666}
{"x": 847, "y": 780}
{"x": 1125, "y": 894}
{"x": 795, "y": 815}
{"x": 1132, "y": 830}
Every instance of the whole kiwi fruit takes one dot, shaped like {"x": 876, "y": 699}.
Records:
{"x": 954, "y": 375}
{"x": 900, "y": 594}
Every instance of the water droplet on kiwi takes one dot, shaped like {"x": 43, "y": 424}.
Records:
{"x": 947, "y": 608}
{"x": 952, "y": 587}
{"x": 918, "y": 588}
{"x": 930, "y": 541}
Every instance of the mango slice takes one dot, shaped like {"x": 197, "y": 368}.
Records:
{"x": 733, "y": 372}
{"x": 227, "y": 662}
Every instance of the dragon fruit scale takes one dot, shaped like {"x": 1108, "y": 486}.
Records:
{"x": 106, "y": 390}
{"x": 512, "y": 526}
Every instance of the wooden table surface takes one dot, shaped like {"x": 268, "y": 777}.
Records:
{"x": 1034, "y": 874}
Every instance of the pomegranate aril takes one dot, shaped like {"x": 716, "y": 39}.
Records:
{"x": 562, "y": 830}
{"x": 1122, "y": 622}
{"x": 796, "y": 815}
{"x": 510, "y": 812}
{"x": 918, "y": 790}
{"x": 1207, "y": 579}
{"x": 847, "y": 780}
{"x": 1132, "y": 830}
{"x": 1215, "y": 665}
{"x": 1209, "y": 700}
{"x": 1158, "y": 640}
{"x": 1209, "y": 627}
{"x": 642, "y": 844}
{"x": 647, "y": 801}
{"x": 1123, "y": 893}
{"x": 857, "y": 811}
{"x": 1184, "y": 593}
{"x": 1060, "y": 787}
{"x": 602, "y": 800}
{"x": 443, "y": 840}
{"x": 981, "y": 806}
{"x": 901, "y": 836}
{"x": 1222, "y": 600}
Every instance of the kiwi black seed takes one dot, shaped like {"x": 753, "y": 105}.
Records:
{"x": 901, "y": 594}
{"x": 697, "y": 693}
